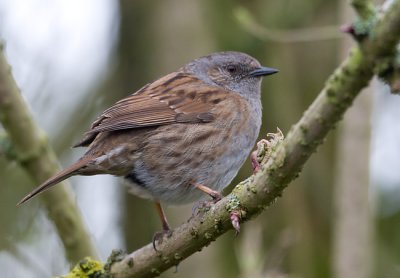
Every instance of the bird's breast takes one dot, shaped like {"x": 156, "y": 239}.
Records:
{"x": 177, "y": 156}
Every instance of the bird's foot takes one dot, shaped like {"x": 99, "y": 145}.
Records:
{"x": 215, "y": 195}
{"x": 158, "y": 237}
{"x": 264, "y": 149}
{"x": 203, "y": 206}
{"x": 166, "y": 230}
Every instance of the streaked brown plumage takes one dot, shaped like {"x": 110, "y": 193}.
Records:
{"x": 189, "y": 130}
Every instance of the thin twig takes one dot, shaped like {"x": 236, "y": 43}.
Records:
{"x": 285, "y": 36}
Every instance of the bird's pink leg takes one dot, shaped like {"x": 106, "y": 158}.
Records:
{"x": 166, "y": 230}
{"x": 215, "y": 195}
{"x": 162, "y": 216}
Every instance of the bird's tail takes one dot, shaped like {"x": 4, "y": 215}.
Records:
{"x": 59, "y": 177}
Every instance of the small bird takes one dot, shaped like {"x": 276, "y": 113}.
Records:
{"x": 183, "y": 135}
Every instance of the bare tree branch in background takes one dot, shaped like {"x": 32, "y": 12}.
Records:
{"x": 353, "y": 246}
{"x": 285, "y": 36}
{"x": 32, "y": 152}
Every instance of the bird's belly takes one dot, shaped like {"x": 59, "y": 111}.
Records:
{"x": 168, "y": 171}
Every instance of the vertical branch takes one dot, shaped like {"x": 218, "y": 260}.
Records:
{"x": 34, "y": 154}
{"x": 353, "y": 246}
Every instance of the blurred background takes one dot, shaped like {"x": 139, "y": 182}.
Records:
{"x": 72, "y": 59}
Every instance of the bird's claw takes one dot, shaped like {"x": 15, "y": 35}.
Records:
{"x": 203, "y": 206}
{"x": 264, "y": 149}
{"x": 159, "y": 237}
{"x": 198, "y": 207}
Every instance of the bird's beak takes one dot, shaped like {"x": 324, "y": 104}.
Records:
{"x": 263, "y": 71}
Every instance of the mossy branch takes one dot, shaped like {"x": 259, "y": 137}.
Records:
{"x": 364, "y": 8}
{"x": 253, "y": 195}
{"x": 31, "y": 150}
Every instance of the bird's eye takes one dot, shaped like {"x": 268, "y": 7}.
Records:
{"x": 231, "y": 69}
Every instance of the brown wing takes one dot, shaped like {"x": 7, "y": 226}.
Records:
{"x": 174, "y": 98}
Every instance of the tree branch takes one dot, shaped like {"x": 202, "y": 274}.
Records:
{"x": 364, "y": 8}
{"x": 32, "y": 151}
{"x": 309, "y": 34}
{"x": 253, "y": 195}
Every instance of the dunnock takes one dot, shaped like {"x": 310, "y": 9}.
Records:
{"x": 186, "y": 133}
